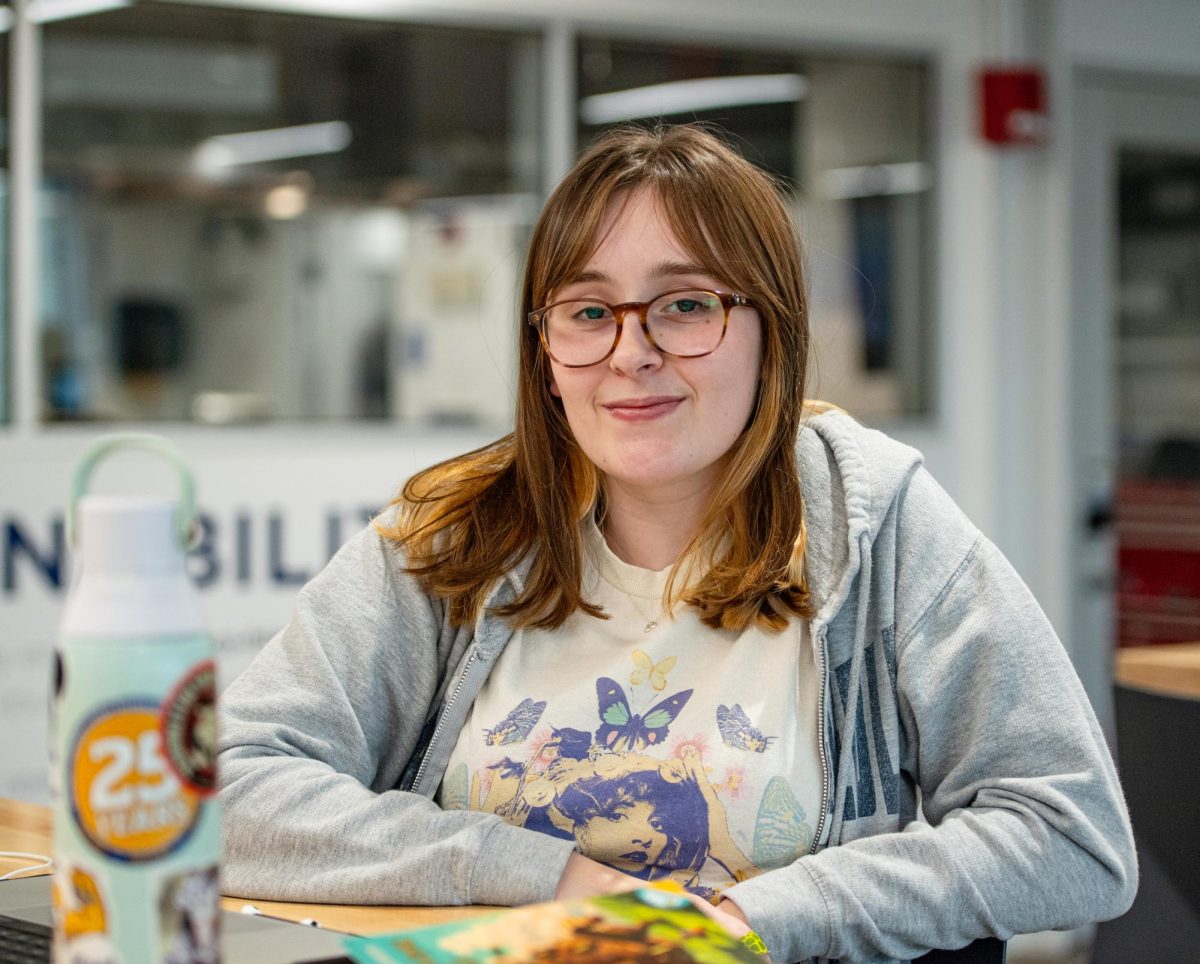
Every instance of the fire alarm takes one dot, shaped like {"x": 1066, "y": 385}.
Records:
{"x": 1014, "y": 105}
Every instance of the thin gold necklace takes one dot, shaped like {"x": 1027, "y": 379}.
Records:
{"x": 651, "y": 621}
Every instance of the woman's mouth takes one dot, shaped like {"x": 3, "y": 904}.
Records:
{"x": 643, "y": 409}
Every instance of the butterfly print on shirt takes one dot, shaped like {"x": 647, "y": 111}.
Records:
{"x": 622, "y": 729}
{"x": 644, "y": 668}
{"x": 738, "y": 732}
{"x": 516, "y": 726}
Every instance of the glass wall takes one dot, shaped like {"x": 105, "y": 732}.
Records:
{"x": 848, "y": 136}
{"x": 257, "y": 216}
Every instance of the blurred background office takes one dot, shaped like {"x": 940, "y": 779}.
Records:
{"x": 289, "y": 235}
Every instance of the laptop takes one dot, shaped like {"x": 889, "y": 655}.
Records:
{"x": 25, "y": 924}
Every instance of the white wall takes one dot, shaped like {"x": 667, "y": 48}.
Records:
{"x": 1156, "y": 36}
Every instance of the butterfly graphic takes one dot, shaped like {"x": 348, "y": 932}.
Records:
{"x": 622, "y": 729}
{"x": 737, "y": 730}
{"x": 781, "y": 834}
{"x": 456, "y": 789}
{"x": 645, "y": 668}
{"x": 516, "y": 726}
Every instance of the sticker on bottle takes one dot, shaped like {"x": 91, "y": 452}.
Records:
{"x": 189, "y": 728}
{"x": 189, "y": 917}
{"x": 125, "y": 797}
{"x": 81, "y": 916}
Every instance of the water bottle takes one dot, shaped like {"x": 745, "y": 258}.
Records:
{"x": 133, "y": 733}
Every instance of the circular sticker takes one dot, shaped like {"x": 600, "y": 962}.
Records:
{"x": 189, "y": 728}
{"x": 124, "y": 796}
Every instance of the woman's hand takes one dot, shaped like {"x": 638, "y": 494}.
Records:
{"x": 584, "y": 877}
{"x": 726, "y": 913}
{"x": 730, "y": 909}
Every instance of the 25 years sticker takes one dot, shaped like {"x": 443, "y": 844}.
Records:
{"x": 125, "y": 798}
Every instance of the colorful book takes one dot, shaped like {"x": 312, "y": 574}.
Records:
{"x": 651, "y": 924}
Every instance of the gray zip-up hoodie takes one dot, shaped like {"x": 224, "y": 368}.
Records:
{"x": 942, "y": 682}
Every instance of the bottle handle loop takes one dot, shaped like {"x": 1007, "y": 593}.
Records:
{"x": 105, "y": 445}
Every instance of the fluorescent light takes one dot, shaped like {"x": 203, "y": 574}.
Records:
{"x": 686, "y": 96}
{"x": 45, "y": 11}
{"x": 842, "y": 183}
{"x": 224, "y": 151}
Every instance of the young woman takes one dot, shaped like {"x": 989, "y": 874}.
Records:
{"x": 677, "y": 625}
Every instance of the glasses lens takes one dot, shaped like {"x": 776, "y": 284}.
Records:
{"x": 579, "y": 332}
{"x": 687, "y": 322}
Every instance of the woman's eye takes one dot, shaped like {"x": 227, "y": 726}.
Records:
{"x": 686, "y": 304}
{"x": 590, "y": 312}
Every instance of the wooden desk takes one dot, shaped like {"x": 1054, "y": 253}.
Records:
{"x": 26, "y": 827}
{"x": 1170, "y": 668}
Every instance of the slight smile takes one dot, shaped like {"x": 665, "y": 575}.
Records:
{"x": 643, "y": 409}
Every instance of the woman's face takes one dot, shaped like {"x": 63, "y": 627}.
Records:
{"x": 629, "y": 838}
{"x": 651, "y": 421}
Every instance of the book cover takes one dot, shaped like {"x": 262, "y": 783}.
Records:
{"x": 650, "y": 924}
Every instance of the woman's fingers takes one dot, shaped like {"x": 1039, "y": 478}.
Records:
{"x": 584, "y": 877}
{"x": 734, "y": 924}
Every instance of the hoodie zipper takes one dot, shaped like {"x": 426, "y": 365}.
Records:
{"x": 441, "y": 723}
{"x": 820, "y": 652}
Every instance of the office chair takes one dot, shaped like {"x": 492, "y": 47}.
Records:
{"x": 1158, "y": 756}
{"x": 986, "y": 950}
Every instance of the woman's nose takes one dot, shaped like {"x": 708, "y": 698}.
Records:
{"x": 634, "y": 351}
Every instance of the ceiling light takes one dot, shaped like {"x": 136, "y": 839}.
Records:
{"x": 286, "y": 201}
{"x": 217, "y": 154}
{"x": 688, "y": 96}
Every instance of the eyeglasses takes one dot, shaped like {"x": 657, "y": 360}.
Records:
{"x": 685, "y": 322}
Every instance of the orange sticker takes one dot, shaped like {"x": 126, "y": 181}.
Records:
{"x": 78, "y": 904}
{"x": 125, "y": 797}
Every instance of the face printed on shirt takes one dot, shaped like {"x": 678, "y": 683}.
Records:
{"x": 632, "y": 832}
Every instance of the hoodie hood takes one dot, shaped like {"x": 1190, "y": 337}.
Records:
{"x": 850, "y": 476}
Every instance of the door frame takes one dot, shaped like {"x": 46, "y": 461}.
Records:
{"x": 1111, "y": 110}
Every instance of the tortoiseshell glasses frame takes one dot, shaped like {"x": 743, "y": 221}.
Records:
{"x": 671, "y": 321}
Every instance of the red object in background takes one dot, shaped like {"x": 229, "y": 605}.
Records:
{"x": 1013, "y": 105}
{"x": 1158, "y": 562}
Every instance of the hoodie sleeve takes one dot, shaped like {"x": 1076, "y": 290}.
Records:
{"x": 1025, "y": 825}
{"x": 316, "y": 733}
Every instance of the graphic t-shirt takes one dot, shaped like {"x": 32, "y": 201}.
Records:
{"x": 663, "y": 747}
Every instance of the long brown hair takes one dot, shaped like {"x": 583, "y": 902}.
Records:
{"x": 464, "y": 522}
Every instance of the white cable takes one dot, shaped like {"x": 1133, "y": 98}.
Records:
{"x": 20, "y": 855}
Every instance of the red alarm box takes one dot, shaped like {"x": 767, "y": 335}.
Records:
{"x": 1013, "y": 105}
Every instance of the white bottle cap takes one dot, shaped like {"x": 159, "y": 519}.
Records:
{"x": 129, "y": 535}
{"x": 128, "y": 577}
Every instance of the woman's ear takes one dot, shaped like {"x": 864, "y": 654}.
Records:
{"x": 554, "y": 388}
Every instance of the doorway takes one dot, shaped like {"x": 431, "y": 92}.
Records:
{"x": 1135, "y": 376}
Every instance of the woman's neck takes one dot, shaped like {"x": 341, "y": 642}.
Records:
{"x": 651, "y": 529}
